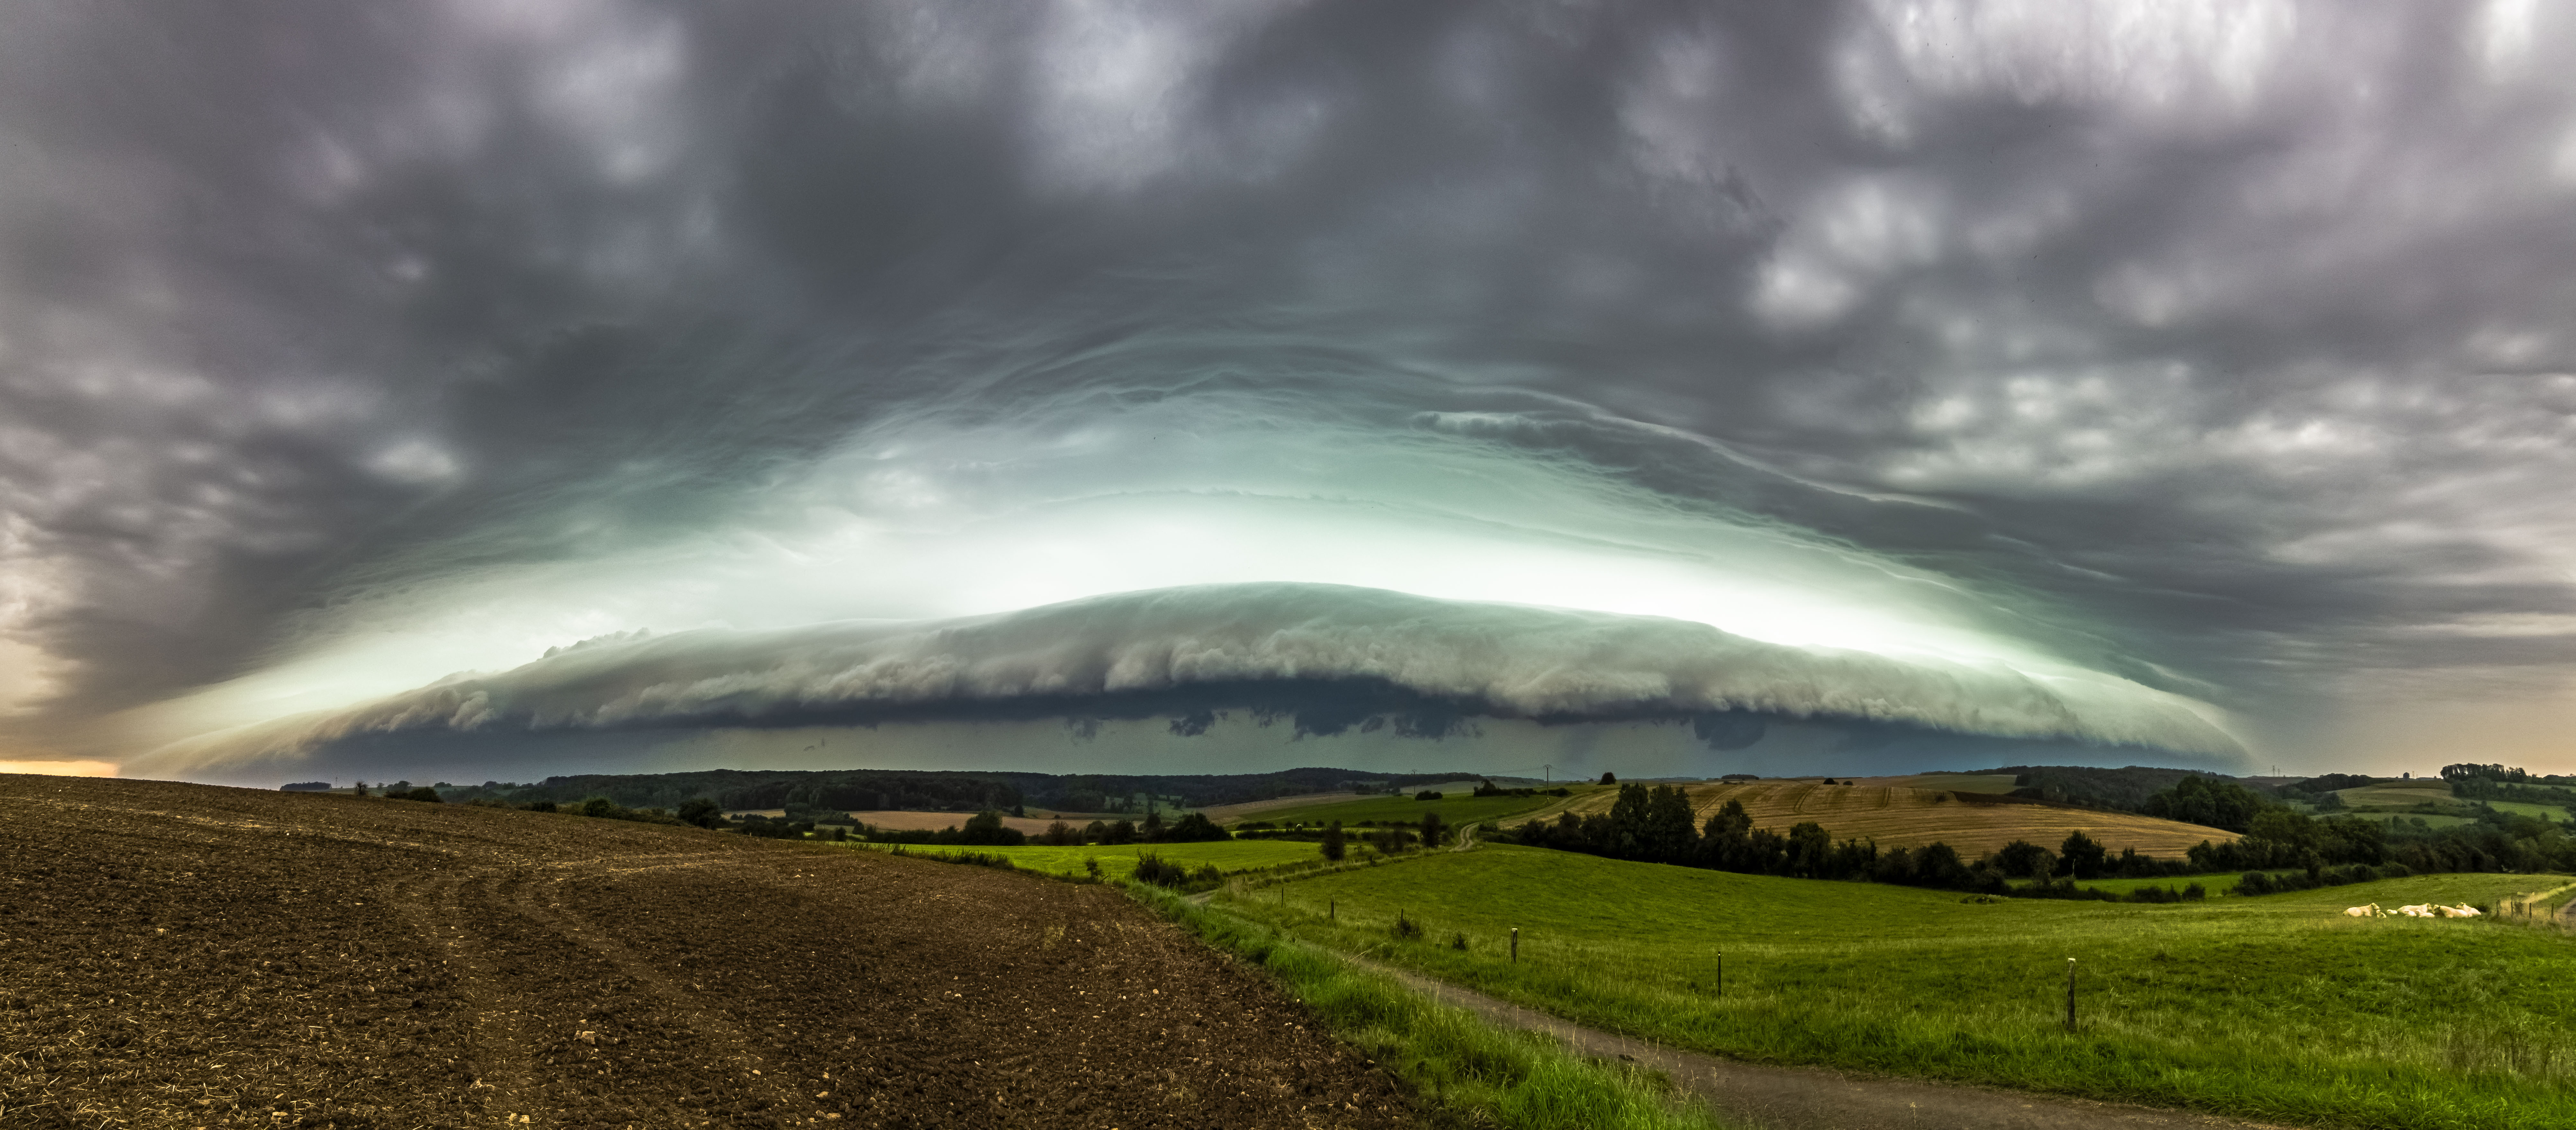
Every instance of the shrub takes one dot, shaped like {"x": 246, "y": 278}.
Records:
{"x": 702, "y": 812}
{"x": 1458, "y": 941}
{"x": 423, "y": 793}
{"x": 2195, "y": 893}
{"x": 1152, "y": 868}
{"x": 1407, "y": 928}
{"x": 1059, "y": 834}
{"x": 1332, "y": 847}
{"x": 1426, "y": 794}
{"x": 538, "y": 806}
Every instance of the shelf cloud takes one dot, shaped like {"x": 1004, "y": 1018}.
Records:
{"x": 1329, "y": 657}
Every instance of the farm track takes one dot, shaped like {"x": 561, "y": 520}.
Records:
{"x": 178, "y": 955}
{"x": 1767, "y": 1097}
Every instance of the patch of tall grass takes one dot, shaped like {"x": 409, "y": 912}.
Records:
{"x": 1470, "y": 1072}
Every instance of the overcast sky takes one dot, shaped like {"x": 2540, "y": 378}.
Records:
{"x": 2211, "y": 359}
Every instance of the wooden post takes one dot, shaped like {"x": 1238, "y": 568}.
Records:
{"x": 2070, "y": 994}
{"x": 1721, "y": 973}
{"x": 1332, "y": 910}
{"x": 1516, "y": 935}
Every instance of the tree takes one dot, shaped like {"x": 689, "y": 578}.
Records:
{"x": 1608, "y": 778}
{"x": 1153, "y": 829}
{"x": 702, "y": 812}
{"x": 1333, "y": 849}
{"x": 1432, "y": 829}
{"x": 986, "y": 828}
{"x": 2081, "y": 856}
{"x": 2022, "y": 859}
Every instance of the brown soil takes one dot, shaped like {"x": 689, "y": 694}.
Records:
{"x": 180, "y": 955}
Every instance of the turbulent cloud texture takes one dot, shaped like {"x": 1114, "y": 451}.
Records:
{"x": 1190, "y": 652}
{"x": 2215, "y": 349}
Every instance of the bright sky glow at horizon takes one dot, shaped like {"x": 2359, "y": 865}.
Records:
{"x": 2211, "y": 363}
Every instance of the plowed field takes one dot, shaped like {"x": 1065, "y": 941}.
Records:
{"x": 179, "y": 955}
{"x": 1896, "y": 816}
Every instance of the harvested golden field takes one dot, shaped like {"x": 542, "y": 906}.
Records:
{"x": 1897, "y": 816}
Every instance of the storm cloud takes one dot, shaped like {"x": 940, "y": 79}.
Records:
{"x": 1328, "y": 656}
{"x": 2217, "y": 351}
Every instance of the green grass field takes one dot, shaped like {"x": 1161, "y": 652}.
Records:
{"x": 2523, "y": 808}
{"x": 1229, "y": 856}
{"x": 1456, "y": 808}
{"x": 2274, "y": 1008}
{"x": 2401, "y": 794}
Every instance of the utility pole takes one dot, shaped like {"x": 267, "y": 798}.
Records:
{"x": 1548, "y": 773}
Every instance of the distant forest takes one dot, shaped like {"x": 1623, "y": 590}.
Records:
{"x": 862, "y": 790}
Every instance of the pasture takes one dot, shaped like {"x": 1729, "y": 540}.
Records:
{"x": 2274, "y": 1008}
{"x": 2402, "y": 794}
{"x": 1116, "y": 862}
{"x": 1901, "y": 816}
{"x": 1456, "y": 808}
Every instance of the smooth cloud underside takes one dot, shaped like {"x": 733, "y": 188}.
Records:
{"x": 1291, "y": 647}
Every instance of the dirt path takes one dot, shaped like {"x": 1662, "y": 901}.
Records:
{"x": 1798, "y": 1098}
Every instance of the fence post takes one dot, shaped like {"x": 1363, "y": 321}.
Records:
{"x": 1516, "y": 939}
{"x": 2070, "y": 994}
{"x": 1721, "y": 973}
{"x": 1333, "y": 909}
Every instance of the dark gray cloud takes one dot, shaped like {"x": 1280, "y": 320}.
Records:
{"x": 2216, "y": 347}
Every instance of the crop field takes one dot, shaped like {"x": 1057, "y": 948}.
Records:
{"x": 2275, "y": 1008}
{"x": 1455, "y": 808}
{"x": 1898, "y": 816}
{"x": 2401, "y": 794}
{"x": 1955, "y": 782}
{"x": 181, "y": 955}
{"x": 1116, "y": 862}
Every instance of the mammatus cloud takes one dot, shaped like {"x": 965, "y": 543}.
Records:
{"x": 1191, "y": 651}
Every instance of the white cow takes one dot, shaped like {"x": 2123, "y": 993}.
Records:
{"x": 2463, "y": 910}
{"x": 2370, "y": 911}
{"x": 2419, "y": 910}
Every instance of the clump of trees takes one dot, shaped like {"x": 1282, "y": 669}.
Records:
{"x": 1489, "y": 788}
{"x": 1654, "y": 825}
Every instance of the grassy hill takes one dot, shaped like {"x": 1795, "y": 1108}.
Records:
{"x": 1903, "y": 816}
{"x": 2275, "y": 1008}
{"x": 1455, "y": 808}
{"x": 1229, "y": 856}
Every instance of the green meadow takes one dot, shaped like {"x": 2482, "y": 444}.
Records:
{"x": 2275, "y": 1008}
{"x": 1117, "y": 862}
{"x": 1454, "y": 808}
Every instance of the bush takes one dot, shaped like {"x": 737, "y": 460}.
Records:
{"x": 1426, "y": 794}
{"x": 1194, "y": 828}
{"x": 423, "y": 793}
{"x": 538, "y": 806}
{"x": 1407, "y": 928}
{"x": 1332, "y": 847}
{"x": 1152, "y": 868}
{"x": 2195, "y": 893}
{"x": 702, "y": 812}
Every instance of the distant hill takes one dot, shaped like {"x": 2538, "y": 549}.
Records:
{"x": 1903, "y": 816}
{"x": 922, "y": 790}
